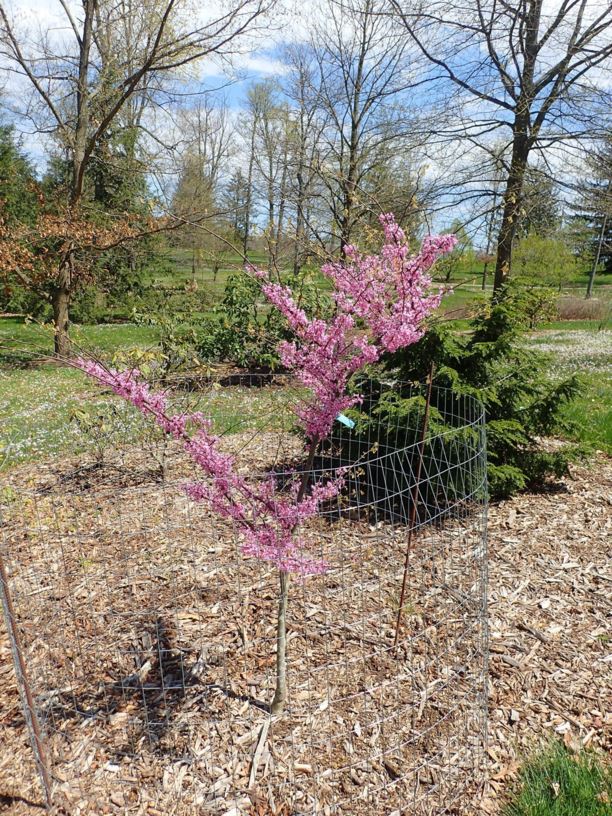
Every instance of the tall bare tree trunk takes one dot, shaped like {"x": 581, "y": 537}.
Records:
{"x": 63, "y": 291}
{"x": 299, "y": 224}
{"x": 249, "y": 196}
{"x": 282, "y": 199}
{"x": 602, "y": 232}
{"x": 270, "y": 147}
{"x": 512, "y": 205}
{"x": 357, "y": 112}
{"x": 350, "y": 182}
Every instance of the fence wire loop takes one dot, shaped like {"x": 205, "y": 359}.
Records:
{"x": 146, "y": 640}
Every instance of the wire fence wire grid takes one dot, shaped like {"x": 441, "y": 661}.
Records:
{"x": 144, "y": 641}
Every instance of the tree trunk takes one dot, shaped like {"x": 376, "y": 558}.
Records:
{"x": 509, "y": 222}
{"x": 65, "y": 278}
{"x": 80, "y": 148}
{"x": 357, "y": 112}
{"x": 512, "y": 200}
{"x": 349, "y": 194}
{"x": 270, "y": 229}
{"x": 299, "y": 224}
{"x": 281, "y": 205}
{"x": 249, "y": 194}
{"x": 602, "y": 232}
{"x": 60, "y": 303}
{"x": 280, "y": 694}
{"x": 271, "y": 201}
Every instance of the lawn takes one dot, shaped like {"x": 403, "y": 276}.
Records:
{"x": 37, "y": 397}
{"x": 180, "y": 270}
{"x": 49, "y": 411}
{"x": 588, "y": 352}
{"x": 35, "y": 409}
{"x": 36, "y": 402}
{"x": 21, "y": 340}
{"x": 558, "y": 783}
{"x": 577, "y": 325}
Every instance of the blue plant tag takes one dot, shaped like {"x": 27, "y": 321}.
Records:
{"x": 345, "y": 421}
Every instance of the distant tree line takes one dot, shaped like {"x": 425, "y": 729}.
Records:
{"x": 492, "y": 120}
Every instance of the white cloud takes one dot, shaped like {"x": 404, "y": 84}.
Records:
{"x": 262, "y": 65}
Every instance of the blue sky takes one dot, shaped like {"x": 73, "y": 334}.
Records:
{"x": 258, "y": 59}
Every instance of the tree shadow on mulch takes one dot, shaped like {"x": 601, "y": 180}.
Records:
{"x": 10, "y": 800}
{"x": 153, "y": 693}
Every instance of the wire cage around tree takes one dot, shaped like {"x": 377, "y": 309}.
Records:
{"x": 144, "y": 640}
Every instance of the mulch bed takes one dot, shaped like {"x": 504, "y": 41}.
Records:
{"x": 151, "y": 646}
{"x": 550, "y": 605}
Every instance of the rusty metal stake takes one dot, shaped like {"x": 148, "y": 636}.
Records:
{"x": 413, "y": 507}
{"x": 23, "y": 682}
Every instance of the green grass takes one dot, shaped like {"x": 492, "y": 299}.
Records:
{"x": 558, "y": 783}
{"x": 36, "y": 402}
{"x": 588, "y": 352}
{"x": 181, "y": 269}
{"x": 576, "y": 325}
{"x": 462, "y": 302}
{"x": 18, "y": 337}
{"x": 580, "y": 279}
{"x": 591, "y": 413}
{"x": 36, "y": 408}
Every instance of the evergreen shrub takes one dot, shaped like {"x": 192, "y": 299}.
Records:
{"x": 491, "y": 362}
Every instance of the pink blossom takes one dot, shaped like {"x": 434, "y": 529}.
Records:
{"x": 268, "y": 524}
{"x": 381, "y": 303}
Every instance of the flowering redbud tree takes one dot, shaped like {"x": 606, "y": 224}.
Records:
{"x": 381, "y": 302}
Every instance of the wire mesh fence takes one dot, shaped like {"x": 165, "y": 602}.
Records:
{"x": 147, "y": 639}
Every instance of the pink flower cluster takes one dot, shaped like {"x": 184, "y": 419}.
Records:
{"x": 267, "y": 522}
{"x": 382, "y": 301}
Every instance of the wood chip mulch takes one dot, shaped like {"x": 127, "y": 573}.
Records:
{"x": 550, "y": 589}
{"x": 550, "y": 618}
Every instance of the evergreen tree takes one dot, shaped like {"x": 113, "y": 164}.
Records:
{"x": 540, "y": 210}
{"x": 20, "y": 200}
{"x": 116, "y": 176}
{"x": 235, "y": 201}
{"x": 19, "y": 192}
{"x": 592, "y": 218}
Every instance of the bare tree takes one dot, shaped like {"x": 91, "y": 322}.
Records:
{"x": 200, "y": 154}
{"x": 592, "y": 210}
{"x": 206, "y": 133}
{"x": 269, "y": 123}
{"x": 81, "y": 84}
{"x": 523, "y": 66}
{"x": 305, "y": 149}
{"x": 362, "y": 61}
{"x": 248, "y": 185}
